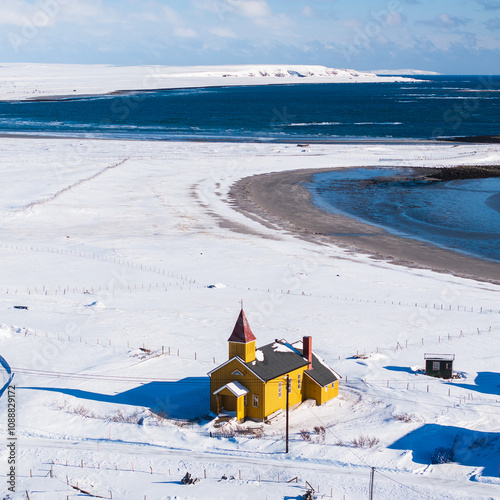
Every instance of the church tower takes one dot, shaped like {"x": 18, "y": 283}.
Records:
{"x": 242, "y": 340}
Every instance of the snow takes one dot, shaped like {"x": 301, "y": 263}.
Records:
{"x": 279, "y": 347}
{"x": 259, "y": 355}
{"x": 235, "y": 387}
{"x": 442, "y": 357}
{"x": 25, "y": 81}
{"x": 121, "y": 387}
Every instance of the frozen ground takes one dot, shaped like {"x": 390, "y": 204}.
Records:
{"x": 112, "y": 244}
{"x": 28, "y": 81}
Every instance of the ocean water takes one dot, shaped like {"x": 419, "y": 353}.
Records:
{"x": 428, "y": 108}
{"x": 462, "y": 215}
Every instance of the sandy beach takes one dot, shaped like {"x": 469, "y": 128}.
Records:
{"x": 282, "y": 200}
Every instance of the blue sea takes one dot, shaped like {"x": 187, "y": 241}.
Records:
{"x": 462, "y": 215}
{"x": 438, "y": 106}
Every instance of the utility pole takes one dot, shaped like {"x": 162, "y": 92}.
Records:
{"x": 372, "y": 474}
{"x": 287, "y": 409}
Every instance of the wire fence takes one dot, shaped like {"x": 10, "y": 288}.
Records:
{"x": 188, "y": 282}
{"x": 75, "y": 476}
{"x": 146, "y": 351}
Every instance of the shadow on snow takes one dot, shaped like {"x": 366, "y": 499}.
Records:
{"x": 470, "y": 448}
{"x": 485, "y": 383}
{"x": 187, "y": 398}
{"x": 400, "y": 369}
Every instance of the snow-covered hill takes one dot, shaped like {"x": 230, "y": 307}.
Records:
{"x": 24, "y": 81}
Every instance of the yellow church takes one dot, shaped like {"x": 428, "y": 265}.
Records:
{"x": 251, "y": 384}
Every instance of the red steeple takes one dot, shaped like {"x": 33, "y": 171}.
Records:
{"x": 242, "y": 332}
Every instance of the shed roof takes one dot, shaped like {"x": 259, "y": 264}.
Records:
{"x": 242, "y": 332}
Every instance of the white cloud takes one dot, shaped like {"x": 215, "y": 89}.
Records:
{"x": 171, "y": 15}
{"x": 147, "y": 17}
{"x": 307, "y": 11}
{"x": 395, "y": 19}
{"x": 251, "y": 8}
{"x": 446, "y": 22}
{"x": 19, "y": 13}
{"x": 223, "y": 32}
{"x": 185, "y": 32}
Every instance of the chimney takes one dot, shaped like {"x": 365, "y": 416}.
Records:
{"x": 307, "y": 351}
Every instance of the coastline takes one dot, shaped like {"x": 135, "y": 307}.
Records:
{"x": 29, "y": 81}
{"x": 229, "y": 140}
{"x": 280, "y": 200}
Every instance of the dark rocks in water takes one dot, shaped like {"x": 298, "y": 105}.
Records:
{"x": 429, "y": 174}
{"x": 464, "y": 172}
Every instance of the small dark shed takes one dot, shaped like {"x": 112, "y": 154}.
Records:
{"x": 439, "y": 365}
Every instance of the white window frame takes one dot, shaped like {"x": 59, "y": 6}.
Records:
{"x": 436, "y": 366}
{"x": 280, "y": 389}
{"x": 255, "y": 400}
{"x": 300, "y": 381}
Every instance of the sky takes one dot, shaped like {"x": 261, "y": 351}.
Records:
{"x": 447, "y": 36}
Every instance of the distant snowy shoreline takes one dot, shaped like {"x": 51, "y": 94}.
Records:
{"x": 39, "y": 81}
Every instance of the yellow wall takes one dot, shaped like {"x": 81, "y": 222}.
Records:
{"x": 332, "y": 392}
{"x": 245, "y": 351}
{"x": 240, "y": 408}
{"x": 314, "y": 391}
{"x": 268, "y": 393}
{"x": 311, "y": 389}
{"x": 273, "y": 401}
{"x": 223, "y": 376}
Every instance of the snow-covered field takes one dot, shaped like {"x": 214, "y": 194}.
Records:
{"x": 28, "y": 81}
{"x": 112, "y": 245}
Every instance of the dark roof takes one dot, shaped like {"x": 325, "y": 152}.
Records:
{"x": 320, "y": 372}
{"x": 275, "y": 359}
{"x": 280, "y": 357}
{"x": 242, "y": 331}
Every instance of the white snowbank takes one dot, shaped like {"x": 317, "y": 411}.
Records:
{"x": 25, "y": 81}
